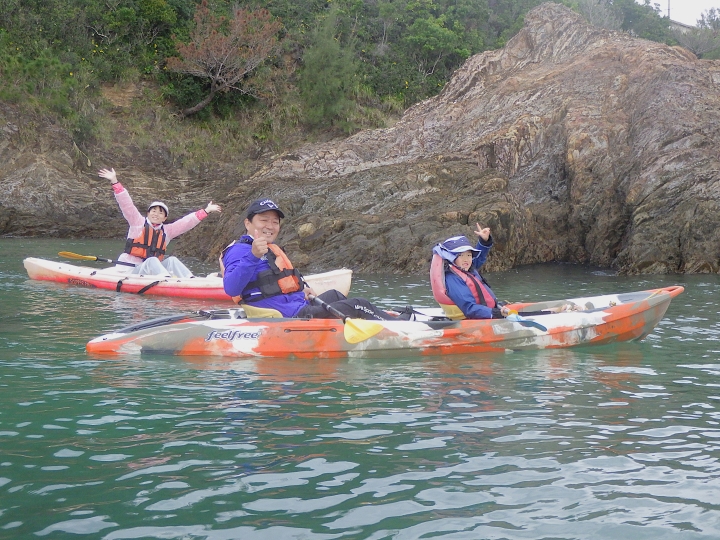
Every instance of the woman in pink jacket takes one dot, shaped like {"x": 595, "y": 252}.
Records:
{"x": 148, "y": 236}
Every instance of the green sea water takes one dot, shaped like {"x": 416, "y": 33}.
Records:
{"x": 612, "y": 442}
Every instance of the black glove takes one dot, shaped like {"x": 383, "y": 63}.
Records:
{"x": 497, "y": 314}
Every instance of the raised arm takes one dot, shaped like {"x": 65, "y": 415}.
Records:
{"x": 485, "y": 242}
{"x": 184, "y": 224}
{"x": 131, "y": 214}
{"x": 240, "y": 266}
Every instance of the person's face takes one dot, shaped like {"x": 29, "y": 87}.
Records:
{"x": 265, "y": 225}
{"x": 464, "y": 260}
{"x": 156, "y": 215}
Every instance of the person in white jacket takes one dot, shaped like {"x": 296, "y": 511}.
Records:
{"x": 148, "y": 235}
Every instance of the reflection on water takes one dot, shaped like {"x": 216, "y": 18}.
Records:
{"x": 618, "y": 442}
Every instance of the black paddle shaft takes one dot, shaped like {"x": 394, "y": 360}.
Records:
{"x": 102, "y": 259}
{"x": 328, "y": 307}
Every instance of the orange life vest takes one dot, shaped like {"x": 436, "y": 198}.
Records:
{"x": 149, "y": 243}
{"x": 280, "y": 278}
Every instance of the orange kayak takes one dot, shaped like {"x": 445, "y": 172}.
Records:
{"x": 203, "y": 288}
{"x": 228, "y": 332}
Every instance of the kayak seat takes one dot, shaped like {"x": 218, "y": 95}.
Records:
{"x": 254, "y": 312}
{"x": 437, "y": 284}
{"x": 452, "y": 312}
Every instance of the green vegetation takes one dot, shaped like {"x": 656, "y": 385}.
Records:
{"x": 328, "y": 65}
{"x": 327, "y": 79}
{"x": 704, "y": 39}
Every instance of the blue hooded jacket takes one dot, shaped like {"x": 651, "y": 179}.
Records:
{"x": 458, "y": 291}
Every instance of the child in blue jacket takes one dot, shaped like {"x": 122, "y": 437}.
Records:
{"x": 463, "y": 283}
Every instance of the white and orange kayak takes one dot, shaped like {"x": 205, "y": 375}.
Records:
{"x": 229, "y": 332}
{"x": 203, "y": 288}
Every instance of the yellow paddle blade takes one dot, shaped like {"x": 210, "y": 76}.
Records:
{"x": 71, "y": 255}
{"x": 357, "y": 330}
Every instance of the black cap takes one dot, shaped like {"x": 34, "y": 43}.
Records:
{"x": 263, "y": 205}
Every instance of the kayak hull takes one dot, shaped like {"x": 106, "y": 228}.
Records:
{"x": 201, "y": 288}
{"x": 606, "y": 319}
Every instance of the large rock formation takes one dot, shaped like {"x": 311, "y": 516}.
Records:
{"x": 573, "y": 143}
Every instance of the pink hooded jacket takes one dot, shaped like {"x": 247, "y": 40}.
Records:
{"x": 136, "y": 220}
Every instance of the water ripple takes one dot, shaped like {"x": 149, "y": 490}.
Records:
{"x": 618, "y": 442}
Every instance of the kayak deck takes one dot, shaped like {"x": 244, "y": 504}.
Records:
{"x": 201, "y": 288}
{"x": 604, "y": 319}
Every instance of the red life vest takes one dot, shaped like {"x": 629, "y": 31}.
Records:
{"x": 149, "y": 243}
{"x": 280, "y": 278}
{"x": 479, "y": 289}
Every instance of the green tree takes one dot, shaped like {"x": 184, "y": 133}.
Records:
{"x": 704, "y": 38}
{"x": 327, "y": 77}
{"x": 135, "y": 30}
{"x": 710, "y": 19}
{"x": 412, "y": 47}
{"x": 431, "y": 41}
{"x": 644, "y": 20}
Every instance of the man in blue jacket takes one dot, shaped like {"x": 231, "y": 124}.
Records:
{"x": 256, "y": 271}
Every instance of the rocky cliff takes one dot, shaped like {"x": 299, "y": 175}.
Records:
{"x": 573, "y": 143}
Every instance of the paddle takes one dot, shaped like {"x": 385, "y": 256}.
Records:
{"x": 522, "y": 321}
{"x": 71, "y": 255}
{"x": 356, "y": 330}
